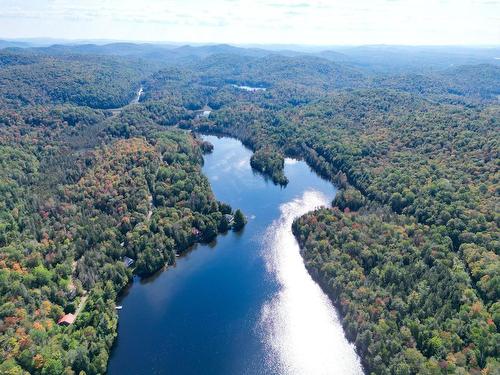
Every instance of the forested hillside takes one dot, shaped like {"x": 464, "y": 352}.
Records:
{"x": 408, "y": 252}
{"x": 28, "y": 78}
{"x": 79, "y": 194}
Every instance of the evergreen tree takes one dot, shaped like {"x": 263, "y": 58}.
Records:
{"x": 239, "y": 220}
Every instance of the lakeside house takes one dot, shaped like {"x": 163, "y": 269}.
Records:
{"x": 229, "y": 218}
{"x": 128, "y": 261}
{"x": 66, "y": 320}
{"x": 197, "y": 233}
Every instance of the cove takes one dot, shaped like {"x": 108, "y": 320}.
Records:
{"x": 244, "y": 304}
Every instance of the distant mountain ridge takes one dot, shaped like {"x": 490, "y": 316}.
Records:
{"x": 376, "y": 58}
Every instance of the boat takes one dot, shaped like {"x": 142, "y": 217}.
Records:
{"x": 119, "y": 307}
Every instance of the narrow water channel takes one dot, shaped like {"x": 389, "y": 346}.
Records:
{"x": 244, "y": 304}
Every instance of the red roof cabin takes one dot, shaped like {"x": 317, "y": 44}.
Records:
{"x": 66, "y": 320}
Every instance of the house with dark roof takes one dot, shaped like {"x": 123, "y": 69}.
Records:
{"x": 128, "y": 261}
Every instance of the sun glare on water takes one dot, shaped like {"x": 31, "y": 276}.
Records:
{"x": 299, "y": 325}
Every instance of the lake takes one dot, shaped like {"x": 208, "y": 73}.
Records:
{"x": 244, "y": 304}
{"x": 250, "y": 88}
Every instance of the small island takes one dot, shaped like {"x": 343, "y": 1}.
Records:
{"x": 270, "y": 163}
{"x": 239, "y": 221}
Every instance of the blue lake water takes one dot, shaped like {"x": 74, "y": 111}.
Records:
{"x": 244, "y": 304}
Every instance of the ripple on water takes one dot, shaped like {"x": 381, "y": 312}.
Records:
{"x": 299, "y": 326}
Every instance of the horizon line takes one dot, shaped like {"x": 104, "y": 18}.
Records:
{"x": 234, "y": 44}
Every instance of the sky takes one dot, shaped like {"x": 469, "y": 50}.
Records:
{"x": 316, "y": 22}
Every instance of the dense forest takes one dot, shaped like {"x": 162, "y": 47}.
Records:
{"x": 82, "y": 191}
{"x": 270, "y": 163}
{"x": 408, "y": 251}
{"x": 93, "y": 81}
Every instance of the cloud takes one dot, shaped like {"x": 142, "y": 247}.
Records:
{"x": 286, "y": 5}
{"x": 258, "y": 21}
